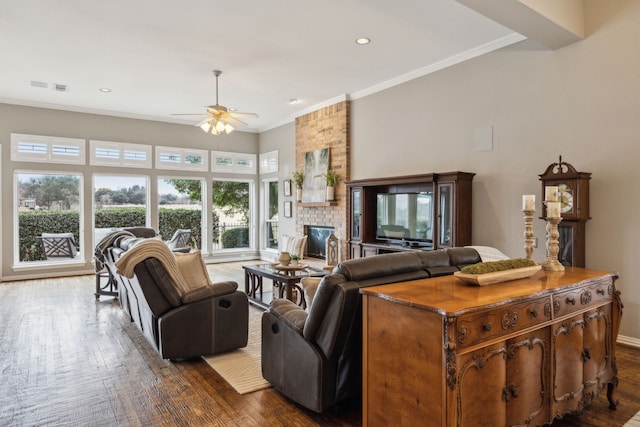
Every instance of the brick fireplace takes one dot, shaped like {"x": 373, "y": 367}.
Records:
{"x": 327, "y": 127}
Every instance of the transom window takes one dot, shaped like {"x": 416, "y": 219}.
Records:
{"x": 35, "y": 148}
{"x": 107, "y": 153}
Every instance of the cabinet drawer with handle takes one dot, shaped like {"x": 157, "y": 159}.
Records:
{"x": 584, "y": 297}
{"x": 475, "y": 328}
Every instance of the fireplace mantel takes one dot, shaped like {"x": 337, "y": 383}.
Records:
{"x": 317, "y": 204}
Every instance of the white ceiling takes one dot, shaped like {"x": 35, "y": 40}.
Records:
{"x": 157, "y": 56}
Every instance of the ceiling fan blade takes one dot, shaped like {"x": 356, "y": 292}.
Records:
{"x": 190, "y": 114}
{"x": 234, "y": 122}
{"x": 244, "y": 115}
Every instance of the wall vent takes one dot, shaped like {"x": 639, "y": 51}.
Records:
{"x": 60, "y": 87}
{"x": 35, "y": 83}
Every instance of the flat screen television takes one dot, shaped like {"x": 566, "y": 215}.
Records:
{"x": 405, "y": 218}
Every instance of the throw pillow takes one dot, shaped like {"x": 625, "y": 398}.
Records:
{"x": 309, "y": 286}
{"x": 193, "y": 269}
{"x": 294, "y": 244}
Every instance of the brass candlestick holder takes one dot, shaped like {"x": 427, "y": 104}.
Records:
{"x": 528, "y": 232}
{"x": 551, "y": 262}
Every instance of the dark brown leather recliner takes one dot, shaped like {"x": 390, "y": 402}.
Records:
{"x": 206, "y": 321}
{"x": 315, "y": 358}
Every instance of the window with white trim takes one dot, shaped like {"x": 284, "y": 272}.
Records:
{"x": 181, "y": 159}
{"x": 269, "y": 162}
{"x": 232, "y": 209}
{"x": 222, "y": 161}
{"x": 271, "y": 214}
{"x": 108, "y": 153}
{"x": 48, "y": 214}
{"x": 180, "y": 207}
{"x": 50, "y": 149}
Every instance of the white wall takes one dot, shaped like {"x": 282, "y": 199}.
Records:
{"x": 581, "y": 102}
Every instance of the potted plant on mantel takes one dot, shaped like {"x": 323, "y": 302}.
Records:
{"x": 332, "y": 177}
{"x": 298, "y": 180}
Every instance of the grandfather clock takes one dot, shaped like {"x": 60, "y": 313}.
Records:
{"x": 573, "y": 194}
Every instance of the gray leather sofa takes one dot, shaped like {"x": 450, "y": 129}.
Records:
{"x": 314, "y": 357}
{"x": 210, "y": 320}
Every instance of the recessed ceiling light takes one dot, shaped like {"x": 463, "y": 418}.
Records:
{"x": 363, "y": 40}
{"x": 293, "y": 101}
{"x": 104, "y": 89}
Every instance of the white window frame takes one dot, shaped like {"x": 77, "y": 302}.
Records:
{"x": 227, "y": 162}
{"x": 251, "y": 221}
{"x": 80, "y": 258}
{"x": 265, "y": 212}
{"x": 269, "y": 162}
{"x": 119, "y": 157}
{"x": 52, "y": 149}
{"x": 180, "y": 155}
{"x": 147, "y": 178}
{"x": 203, "y": 211}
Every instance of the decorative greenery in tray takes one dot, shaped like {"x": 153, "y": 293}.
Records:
{"x": 502, "y": 265}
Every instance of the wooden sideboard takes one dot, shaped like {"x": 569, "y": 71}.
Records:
{"x": 438, "y": 352}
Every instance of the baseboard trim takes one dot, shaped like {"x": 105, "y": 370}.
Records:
{"x": 631, "y": 342}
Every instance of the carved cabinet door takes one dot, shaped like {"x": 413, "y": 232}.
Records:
{"x": 505, "y": 384}
{"x": 567, "y": 368}
{"x": 481, "y": 379}
{"x": 596, "y": 352}
{"x": 526, "y": 391}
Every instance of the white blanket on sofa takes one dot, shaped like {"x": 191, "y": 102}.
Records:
{"x": 151, "y": 248}
{"x": 488, "y": 253}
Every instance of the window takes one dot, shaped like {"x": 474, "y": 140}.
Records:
{"x": 180, "y": 207}
{"x": 181, "y": 159}
{"x": 119, "y": 201}
{"x": 106, "y": 153}
{"x": 233, "y": 162}
{"x": 269, "y": 162}
{"x": 271, "y": 214}
{"x": 231, "y": 214}
{"x": 48, "y": 213}
{"x": 49, "y": 149}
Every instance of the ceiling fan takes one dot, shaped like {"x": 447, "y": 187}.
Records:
{"x": 218, "y": 117}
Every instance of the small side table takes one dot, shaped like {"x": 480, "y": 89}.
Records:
{"x": 285, "y": 279}
{"x": 110, "y": 288}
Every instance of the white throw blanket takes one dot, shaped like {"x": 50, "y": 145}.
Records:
{"x": 151, "y": 248}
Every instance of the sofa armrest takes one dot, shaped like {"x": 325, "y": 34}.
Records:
{"x": 290, "y": 313}
{"x": 215, "y": 290}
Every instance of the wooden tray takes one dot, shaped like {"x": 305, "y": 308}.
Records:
{"x": 289, "y": 267}
{"x": 497, "y": 276}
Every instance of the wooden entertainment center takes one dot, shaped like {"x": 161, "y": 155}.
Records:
{"x": 438, "y": 213}
{"x": 439, "y": 352}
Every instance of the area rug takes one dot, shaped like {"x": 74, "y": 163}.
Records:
{"x": 633, "y": 422}
{"x": 242, "y": 368}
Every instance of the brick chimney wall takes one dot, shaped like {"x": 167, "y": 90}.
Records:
{"x": 327, "y": 127}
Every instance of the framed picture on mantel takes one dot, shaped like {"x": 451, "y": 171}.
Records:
{"x": 316, "y": 165}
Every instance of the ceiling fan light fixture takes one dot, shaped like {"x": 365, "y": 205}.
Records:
{"x": 216, "y": 126}
{"x": 205, "y": 126}
{"x": 220, "y": 119}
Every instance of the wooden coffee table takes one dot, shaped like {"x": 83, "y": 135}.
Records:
{"x": 285, "y": 280}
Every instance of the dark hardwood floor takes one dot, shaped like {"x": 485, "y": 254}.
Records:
{"x": 66, "y": 359}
